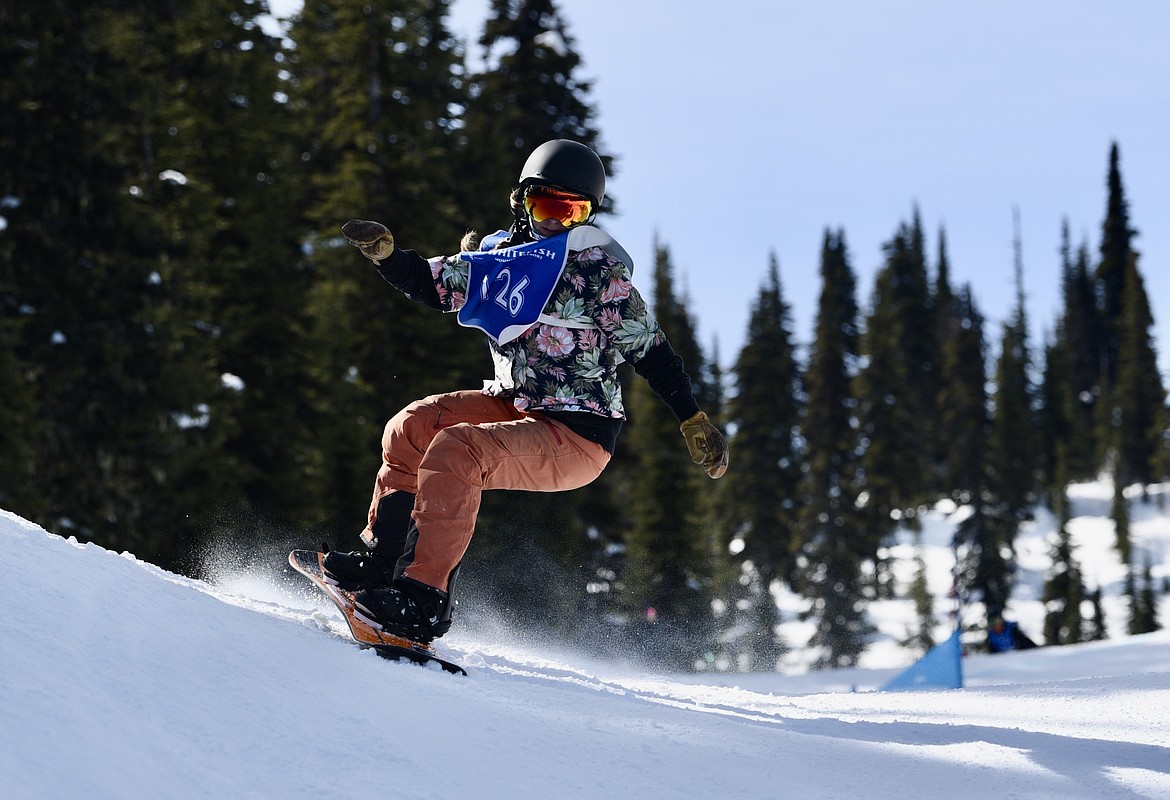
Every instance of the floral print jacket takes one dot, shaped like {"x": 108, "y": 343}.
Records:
{"x": 571, "y": 367}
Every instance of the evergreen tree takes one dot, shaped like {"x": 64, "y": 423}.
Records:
{"x": 666, "y": 577}
{"x": 1143, "y": 602}
{"x": 963, "y": 418}
{"x": 985, "y": 561}
{"x": 923, "y": 639}
{"x": 728, "y": 580}
{"x": 896, "y": 392}
{"x": 1149, "y": 601}
{"x": 762, "y": 502}
{"x": 528, "y": 92}
{"x": 1064, "y": 590}
{"x": 17, "y": 414}
{"x": 1054, "y": 430}
{"x": 377, "y": 85}
{"x": 110, "y": 257}
{"x": 1096, "y": 623}
{"x": 1116, "y": 253}
{"x": 1128, "y": 416}
{"x": 926, "y": 348}
{"x": 1162, "y": 452}
{"x": 1080, "y": 346}
{"x": 1013, "y": 454}
{"x": 237, "y": 208}
{"x": 945, "y": 308}
{"x": 1120, "y": 515}
{"x": 943, "y": 299}
{"x": 832, "y": 540}
{"x": 983, "y": 567}
{"x": 1139, "y": 397}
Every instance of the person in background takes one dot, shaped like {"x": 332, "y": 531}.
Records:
{"x": 549, "y": 420}
{"x": 1004, "y": 636}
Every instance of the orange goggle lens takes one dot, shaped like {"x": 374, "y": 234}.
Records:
{"x": 567, "y": 209}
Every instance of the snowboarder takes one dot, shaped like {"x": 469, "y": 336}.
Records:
{"x": 549, "y": 420}
{"x": 1003, "y": 636}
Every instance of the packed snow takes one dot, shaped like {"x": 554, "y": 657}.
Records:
{"x": 119, "y": 679}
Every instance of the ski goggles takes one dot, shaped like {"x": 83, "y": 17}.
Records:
{"x": 542, "y": 203}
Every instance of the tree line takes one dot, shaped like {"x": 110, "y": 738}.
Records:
{"x": 190, "y": 357}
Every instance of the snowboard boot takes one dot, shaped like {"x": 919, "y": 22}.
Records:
{"x": 357, "y": 569}
{"x": 375, "y": 568}
{"x": 406, "y": 608}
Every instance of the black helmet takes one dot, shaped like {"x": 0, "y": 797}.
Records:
{"x": 565, "y": 164}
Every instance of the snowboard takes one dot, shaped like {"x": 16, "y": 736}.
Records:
{"x": 366, "y": 633}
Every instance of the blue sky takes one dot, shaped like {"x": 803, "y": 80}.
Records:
{"x": 747, "y": 127}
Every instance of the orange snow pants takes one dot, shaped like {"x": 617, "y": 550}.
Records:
{"x": 448, "y": 448}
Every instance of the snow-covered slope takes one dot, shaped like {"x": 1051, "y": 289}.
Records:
{"x": 118, "y": 679}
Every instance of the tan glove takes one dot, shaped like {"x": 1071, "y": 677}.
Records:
{"x": 373, "y": 238}
{"x": 706, "y": 444}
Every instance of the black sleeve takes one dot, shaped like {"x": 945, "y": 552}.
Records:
{"x": 663, "y": 370}
{"x": 410, "y": 273}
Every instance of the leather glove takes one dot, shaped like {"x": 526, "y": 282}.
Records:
{"x": 706, "y": 444}
{"x": 373, "y": 238}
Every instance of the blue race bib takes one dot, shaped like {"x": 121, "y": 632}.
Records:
{"x": 508, "y": 289}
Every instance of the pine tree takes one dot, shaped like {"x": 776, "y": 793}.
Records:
{"x": 1014, "y": 457}
{"x": 238, "y": 208}
{"x": 1140, "y": 396}
{"x": 762, "y": 501}
{"x": 963, "y": 417}
{"x": 921, "y": 640}
{"x": 896, "y": 390}
{"x": 1128, "y": 420}
{"x": 1080, "y": 343}
{"x": 1064, "y": 590}
{"x": 376, "y": 85}
{"x": 1096, "y": 623}
{"x": 1143, "y": 602}
{"x": 964, "y": 420}
{"x": 115, "y": 264}
{"x": 1120, "y": 515}
{"x": 831, "y": 534}
{"x": 1012, "y": 454}
{"x": 1053, "y": 429}
{"x": 1116, "y": 253}
{"x": 17, "y": 413}
{"x": 1162, "y": 452}
{"x": 529, "y": 91}
{"x": 944, "y": 307}
{"x": 666, "y": 577}
{"x": 1149, "y": 601}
